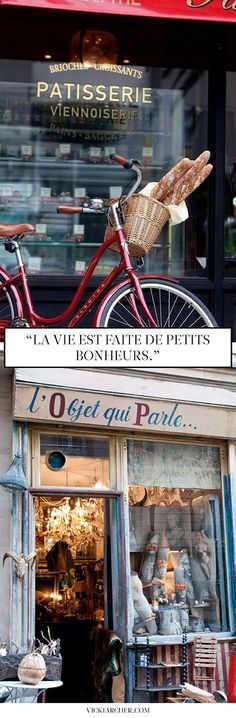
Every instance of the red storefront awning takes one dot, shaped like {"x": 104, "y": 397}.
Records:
{"x": 215, "y": 10}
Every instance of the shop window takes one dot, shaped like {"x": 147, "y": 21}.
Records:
{"x": 68, "y": 460}
{"x": 176, "y": 538}
{"x": 230, "y": 178}
{"x": 59, "y": 123}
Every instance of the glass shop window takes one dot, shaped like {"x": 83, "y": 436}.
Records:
{"x": 230, "y": 178}
{"x": 176, "y": 539}
{"x": 70, "y": 551}
{"x": 67, "y": 460}
{"x": 59, "y": 124}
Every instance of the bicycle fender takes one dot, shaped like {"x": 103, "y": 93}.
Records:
{"x": 160, "y": 276}
{"x": 5, "y": 275}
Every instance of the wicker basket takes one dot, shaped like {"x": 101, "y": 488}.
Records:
{"x": 144, "y": 219}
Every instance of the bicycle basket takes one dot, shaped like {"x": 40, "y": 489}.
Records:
{"x": 144, "y": 218}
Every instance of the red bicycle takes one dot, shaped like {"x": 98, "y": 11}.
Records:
{"x": 148, "y": 301}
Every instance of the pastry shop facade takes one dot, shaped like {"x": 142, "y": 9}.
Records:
{"x": 127, "y": 497}
{"x": 145, "y": 79}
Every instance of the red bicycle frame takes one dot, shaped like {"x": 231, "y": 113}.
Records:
{"x": 24, "y": 300}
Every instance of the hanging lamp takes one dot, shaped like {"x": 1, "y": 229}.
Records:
{"x": 14, "y": 478}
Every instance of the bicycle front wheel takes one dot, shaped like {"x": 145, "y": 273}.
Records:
{"x": 171, "y": 306}
{"x": 8, "y": 306}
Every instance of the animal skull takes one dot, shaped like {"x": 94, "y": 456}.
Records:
{"x": 51, "y": 647}
{"x": 21, "y": 562}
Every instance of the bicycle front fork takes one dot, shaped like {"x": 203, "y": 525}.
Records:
{"x": 139, "y": 294}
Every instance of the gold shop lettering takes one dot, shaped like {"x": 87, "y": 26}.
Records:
{"x": 94, "y": 113}
{"x": 98, "y": 93}
{"x": 119, "y": 69}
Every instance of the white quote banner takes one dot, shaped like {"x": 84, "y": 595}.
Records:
{"x": 117, "y": 348}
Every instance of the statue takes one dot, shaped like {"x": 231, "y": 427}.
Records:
{"x": 159, "y": 588}
{"x": 141, "y": 607}
{"x": 203, "y": 564}
{"x": 202, "y": 516}
{"x": 180, "y": 585}
{"x": 180, "y": 559}
{"x": 148, "y": 559}
{"x": 175, "y": 532}
{"x": 170, "y": 624}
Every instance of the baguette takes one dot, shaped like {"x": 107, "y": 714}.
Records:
{"x": 201, "y": 177}
{"x": 202, "y": 160}
{"x": 188, "y": 184}
{"x": 171, "y": 195}
{"x": 166, "y": 183}
{"x": 191, "y": 180}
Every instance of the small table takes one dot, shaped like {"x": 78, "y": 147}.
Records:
{"x": 19, "y": 692}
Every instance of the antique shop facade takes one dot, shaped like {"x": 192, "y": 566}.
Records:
{"x": 117, "y": 76}
{"x": 130, "y": 504}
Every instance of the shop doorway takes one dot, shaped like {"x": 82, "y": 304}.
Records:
{"x": 76, "y": 537}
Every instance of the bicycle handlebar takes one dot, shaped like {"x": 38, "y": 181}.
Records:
{"x": 64, "y": 209}
{"x": 127, "y": 164}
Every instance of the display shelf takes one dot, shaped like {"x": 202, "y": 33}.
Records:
{"x": 53, "y": 162}
{"x": 182, "y": 664}
{"x": 157, "y": 689}
{"x": 47, "y": 243}
{"x": 144, "y": 667}
{"x": 62, "y": 245}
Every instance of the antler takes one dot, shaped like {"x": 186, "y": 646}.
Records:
{"x": 30, "y": 557}
{"x": 44, "y": 637}
{"x": 8, "y": 554}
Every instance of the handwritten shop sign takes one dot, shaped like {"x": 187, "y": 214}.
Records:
{"x": 80, "y": 408}
{"x": 221, "y": 10}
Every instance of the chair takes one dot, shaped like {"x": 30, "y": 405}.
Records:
{"x": 204, "y": 658}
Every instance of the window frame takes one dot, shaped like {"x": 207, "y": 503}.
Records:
{"x": 119, "y": 483}
{"x": 227, "y": 603}
{"x": 60, "y": 430}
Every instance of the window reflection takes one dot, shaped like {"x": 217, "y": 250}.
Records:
{"x": 85, "y": 461}
{"x": 175, "y": 522}
{"x": 175, "y": 564}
